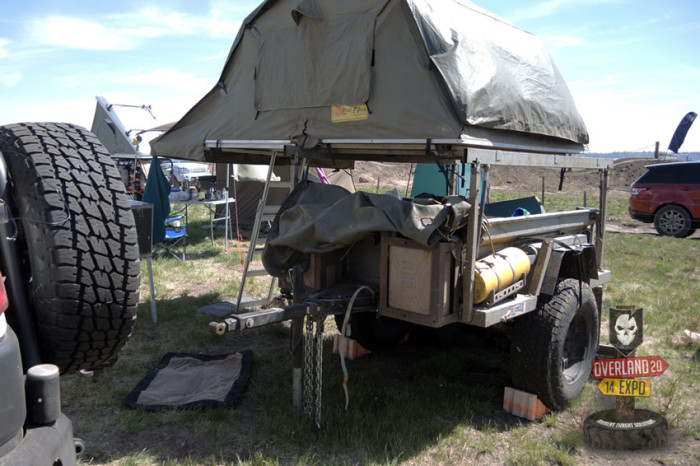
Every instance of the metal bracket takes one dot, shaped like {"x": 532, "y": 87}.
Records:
{"x": 494, "y": 297}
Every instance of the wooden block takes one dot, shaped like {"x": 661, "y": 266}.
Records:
{"x": 349, "y": 347}
{"x": 523, "y": 404}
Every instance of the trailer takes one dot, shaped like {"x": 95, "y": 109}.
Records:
{"x": 541, "y": 273}
{"x": 445, "y": 83}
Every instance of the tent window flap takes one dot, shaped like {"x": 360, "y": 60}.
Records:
{"x": 316, "y": 63}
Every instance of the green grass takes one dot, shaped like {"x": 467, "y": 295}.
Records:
{"x": 425, "y": 402}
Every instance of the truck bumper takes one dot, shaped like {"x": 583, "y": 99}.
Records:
{"x": 51, "y": 444}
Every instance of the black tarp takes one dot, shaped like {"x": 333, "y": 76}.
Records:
{"x": 319, "y": 218}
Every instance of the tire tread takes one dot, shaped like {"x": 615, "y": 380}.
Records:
{"x": 81, "y": 240}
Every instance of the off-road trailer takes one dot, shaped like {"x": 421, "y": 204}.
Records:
{"x": 422, "y": 82}
{"x": 554, "y": 307}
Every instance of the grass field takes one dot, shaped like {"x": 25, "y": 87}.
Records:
{"x": 434, "y": 400}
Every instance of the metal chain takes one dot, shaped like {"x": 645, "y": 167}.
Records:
{"x": 319, "y": 368}
{"x": 308, "y": 367}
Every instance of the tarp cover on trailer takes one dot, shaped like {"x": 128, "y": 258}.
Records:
{"x": 318, "y": 218}
{"x": 311, "y": 70}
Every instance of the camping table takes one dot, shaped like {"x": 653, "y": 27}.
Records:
{"x": 211, "y": 204}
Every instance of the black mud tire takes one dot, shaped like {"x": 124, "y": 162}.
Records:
{"x": 375, "y": 332}
{"x": 673, "y": 220}
{"x": 648, "y": 430}
{"x": 554, "y": 346}
{"x": 79, "y": 243}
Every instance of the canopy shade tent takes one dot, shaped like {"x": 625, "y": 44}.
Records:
{"x": 314, "y": 73}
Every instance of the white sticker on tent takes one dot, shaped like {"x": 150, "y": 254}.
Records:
{"x": 342, "y": 113}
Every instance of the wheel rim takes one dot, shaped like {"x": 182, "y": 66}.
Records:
{"x": 672, "y": 221}
{"x": 575, "y": 349}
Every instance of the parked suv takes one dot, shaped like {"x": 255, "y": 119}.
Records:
{"x": 668, "y": 194}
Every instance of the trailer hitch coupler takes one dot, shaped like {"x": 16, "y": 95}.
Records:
{"x": 219, "y": 328}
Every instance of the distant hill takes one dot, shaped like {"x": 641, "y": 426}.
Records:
{"x": 646, "y": 155}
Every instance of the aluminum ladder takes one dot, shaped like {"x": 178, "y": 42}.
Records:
{"x": 265, "y": 213}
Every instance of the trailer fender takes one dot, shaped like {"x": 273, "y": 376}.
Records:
{"x": 577, "y": 261}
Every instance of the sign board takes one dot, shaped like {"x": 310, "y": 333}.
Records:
{"x": 647, "y": 366}
{"x": 625, "y": 387}
{"x": 626, "y": 328}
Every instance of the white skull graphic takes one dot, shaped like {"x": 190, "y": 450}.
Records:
{"x": 626, "y": 329}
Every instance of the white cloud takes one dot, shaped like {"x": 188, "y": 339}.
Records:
{"x": 690, "y": 73}
{"x": 226, "y": 17}
{"x": 223, "y": 26}
{"x": 15, "y": 110}
{"x": 627, "y": 121}
{"x": 560, "y": 41}
{"x": 630, "y": 110}
{"x": 169, "y": 78}
{"x": 549, "y": 7}
{"x": 165, "y": 22}
{"x": 81, "y": 34}
{"x": 643, "y": 25}
{"x": 125, "y": 31}
{"x": 218, "y": 56}
{"x": 537, "y": 11}
{"x": 3, "y": 47}
{"x": 10, "y": 79}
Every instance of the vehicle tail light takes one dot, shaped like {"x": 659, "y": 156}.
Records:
{"x": 634, "y": 191}
{"x": 4, "y": 302}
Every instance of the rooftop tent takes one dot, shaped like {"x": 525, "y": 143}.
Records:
{"x": 311, "y": 72}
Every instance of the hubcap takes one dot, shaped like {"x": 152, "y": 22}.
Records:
{"x": 672, "y": 221}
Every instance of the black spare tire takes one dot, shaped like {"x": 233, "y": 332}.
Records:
{"x": 79, "y": 243}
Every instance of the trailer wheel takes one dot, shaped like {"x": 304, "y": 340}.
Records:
{"x": 554, "y": 346}
{"x": 78, "y": 241}
{"x": 374, "y": 331}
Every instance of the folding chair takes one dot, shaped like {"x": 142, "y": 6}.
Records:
{"x": 175, "y": 240}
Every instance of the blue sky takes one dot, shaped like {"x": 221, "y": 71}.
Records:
{"x": 633, "y": 66}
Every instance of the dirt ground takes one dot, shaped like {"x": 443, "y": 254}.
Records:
{"x": 624, "y": 173}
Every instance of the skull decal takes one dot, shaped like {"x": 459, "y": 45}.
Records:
{"x": 626, "y": 329}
